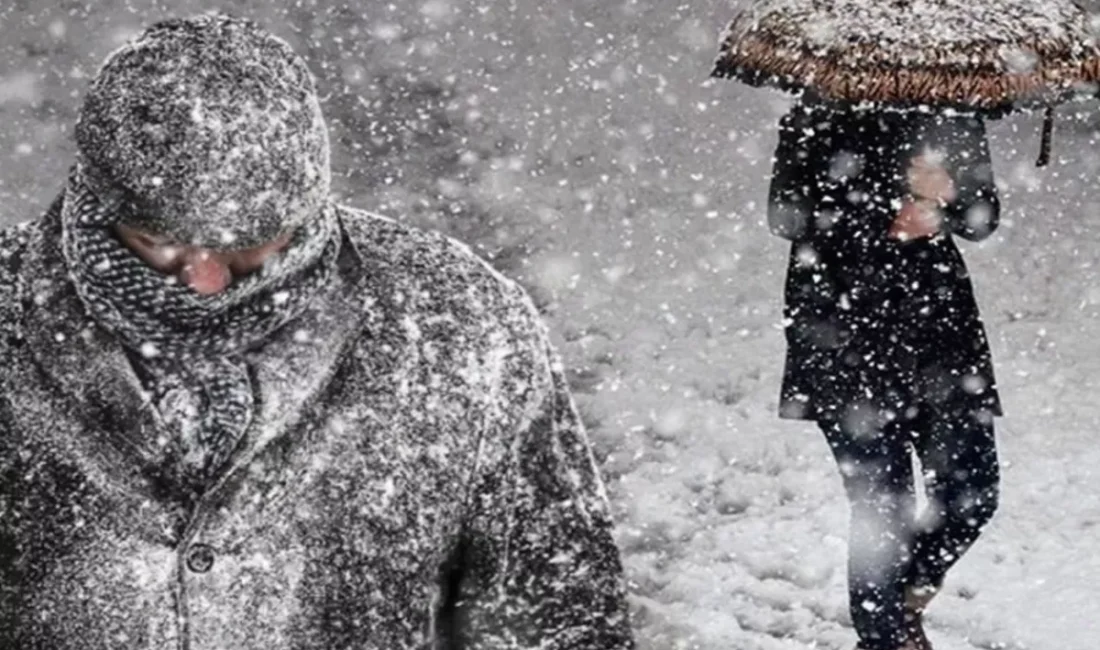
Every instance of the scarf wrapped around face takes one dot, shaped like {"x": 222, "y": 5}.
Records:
{"x": 188, "y": 347}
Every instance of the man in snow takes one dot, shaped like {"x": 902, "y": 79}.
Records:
{"x": 234, "y": 414}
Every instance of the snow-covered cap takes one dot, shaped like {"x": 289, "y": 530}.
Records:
{"x": 207, "y": 130}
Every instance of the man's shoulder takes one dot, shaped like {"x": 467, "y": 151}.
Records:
{"x": 438, "y": 268}
{"x": 386, "y": 239}
{"x": 452, "y": 304}
{"x": 14, "y": 240}
{"x": 15, "y": 243}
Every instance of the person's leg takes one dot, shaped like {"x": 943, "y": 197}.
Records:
{"x": 958, "y": 456}
{"x": 876, "y": 469}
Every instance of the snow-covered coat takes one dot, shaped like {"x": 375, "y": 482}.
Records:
{"x": 875, "y": 326}
{"x": 415, "y": 475}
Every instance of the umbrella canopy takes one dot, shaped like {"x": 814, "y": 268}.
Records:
{"x": 982, "y": 54}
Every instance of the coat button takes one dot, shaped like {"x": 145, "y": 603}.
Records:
{"x": 200, "y": 557}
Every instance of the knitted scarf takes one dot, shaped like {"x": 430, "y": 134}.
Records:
{"x": 188, "y": 348}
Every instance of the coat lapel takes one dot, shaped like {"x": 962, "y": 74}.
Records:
{"x": 85, "y": 365}
{"x": 80, "y": 394}
{"x": 293, "y": 371}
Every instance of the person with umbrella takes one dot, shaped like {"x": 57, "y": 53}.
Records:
{"x": 881, "y": 163}
{"x": 886, "y": 350}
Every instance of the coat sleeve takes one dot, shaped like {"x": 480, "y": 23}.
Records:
{"x": 975, "y": 212}
{"x": 805, "y": 194}
{"x": 541, "y": 569}
{"x": 791, "y": 194}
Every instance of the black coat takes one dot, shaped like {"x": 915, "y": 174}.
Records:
{"x": 873, "y": 325}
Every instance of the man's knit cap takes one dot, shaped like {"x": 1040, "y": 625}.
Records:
{"x": 206, "y": 130}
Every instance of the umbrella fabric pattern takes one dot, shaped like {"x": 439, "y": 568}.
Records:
{"x": 993, "y": 55}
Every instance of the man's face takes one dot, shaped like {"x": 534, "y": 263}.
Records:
{"x": 206, "y": 271}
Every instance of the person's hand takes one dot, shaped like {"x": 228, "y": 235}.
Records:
{"x": 918, "y": 219}
{"x": 929, "y": 180}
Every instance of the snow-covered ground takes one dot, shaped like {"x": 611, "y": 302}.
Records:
{"x": 644, "y": 186}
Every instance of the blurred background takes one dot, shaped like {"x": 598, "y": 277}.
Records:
{"x": 580, "y": 146}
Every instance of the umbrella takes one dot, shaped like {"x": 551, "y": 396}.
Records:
{"x": 992, "y": 56}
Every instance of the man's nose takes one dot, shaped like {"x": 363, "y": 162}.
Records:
{"x": 205, "y": 272}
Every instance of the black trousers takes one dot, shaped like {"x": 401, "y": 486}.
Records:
{"x": 889, "y": 549}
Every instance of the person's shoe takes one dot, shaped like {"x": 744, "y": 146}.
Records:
{"x": 916, "y": 601}
{"x": 916, "y": 639}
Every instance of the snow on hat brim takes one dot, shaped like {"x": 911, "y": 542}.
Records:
{"x": 207, "y": 130}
